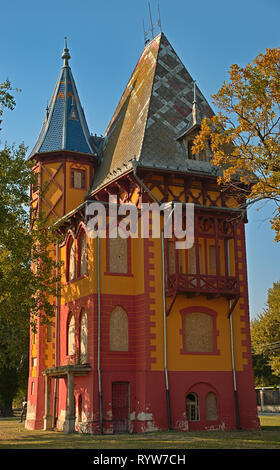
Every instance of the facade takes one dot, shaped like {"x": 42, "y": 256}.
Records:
{"x": 146, "y": 337}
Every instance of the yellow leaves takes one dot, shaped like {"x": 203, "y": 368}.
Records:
{"x": 244, "y": 136}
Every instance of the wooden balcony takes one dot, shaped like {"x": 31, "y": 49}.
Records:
{"x": 200, "y": 284}
{"x": 210, "y": 266}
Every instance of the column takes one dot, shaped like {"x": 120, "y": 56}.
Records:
{"x": 69, "y": 423}
{"x": 47, "y": 417}
{"x": 262, "y": 398}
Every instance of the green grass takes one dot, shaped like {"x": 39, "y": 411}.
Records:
{"x": 13, "y": 435}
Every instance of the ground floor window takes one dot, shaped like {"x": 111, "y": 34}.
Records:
{"x": 192, "y": 407}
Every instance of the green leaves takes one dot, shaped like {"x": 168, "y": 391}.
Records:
{"x": 24, "y": 292}
{"x": 265, "y": 330}
{"x": 6, "y": 99}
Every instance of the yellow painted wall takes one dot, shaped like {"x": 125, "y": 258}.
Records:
{"x": 53, "y": 188}
{"x": 134, "y": 285}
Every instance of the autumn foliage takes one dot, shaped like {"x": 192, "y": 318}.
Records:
{"x": 244, "y": 135}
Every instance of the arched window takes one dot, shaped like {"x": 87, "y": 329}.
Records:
{"x": 71, "y": 336}
{"x": 82, "y": 254}
{"x": 83, "y": 337}
{"x": 80, "y": 408}
{"x": 71, "y": 260}
{"x": 118, "y": 330}
{"x": 192, "y": 407}
{"x": 211, "y": 406}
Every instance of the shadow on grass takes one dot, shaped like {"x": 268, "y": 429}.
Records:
{"x": 13, "y": 435}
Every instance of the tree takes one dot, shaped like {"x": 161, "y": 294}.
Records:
{"x": 265, "y": 332}
{"x": 244, "y": 135}
{"x": 27, "y": 268}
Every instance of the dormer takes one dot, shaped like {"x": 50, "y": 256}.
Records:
{"x": 191, "y": 130}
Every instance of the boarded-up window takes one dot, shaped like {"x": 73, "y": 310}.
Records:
{"x": 211, "y": 406}
{"x": 181, "y": 260}
{"x": 82, "y": 254}
{"x": 83, "y": 338}
{"x": 171, "y": 257}
{"x": 192, "y": 260}
{"x": 192, "y": 254}
{"x": 71, "y": 269}
{"x": 71, "y": 336}
{"x": 198, "y": 332}
{"x": 118, "y": 256}
{"x": 212, "y": 259}
{"x": 78, "y": 179}
{"x": 118, "y": 330}
{"x": 192, "y": 407}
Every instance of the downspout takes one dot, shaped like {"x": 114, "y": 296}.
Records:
{"x": 235, "y": 391}
{"x": 163, "y": 300}
{"x": 164, "y": 336}
{"x": 98, "y": 340}
{"x": 98, "y": 330}
{"x": 56, "y": 336}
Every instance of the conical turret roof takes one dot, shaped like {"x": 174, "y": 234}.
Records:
{"x": 65, "y": 126}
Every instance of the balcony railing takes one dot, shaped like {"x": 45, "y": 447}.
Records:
{"x": 195, "y": 284}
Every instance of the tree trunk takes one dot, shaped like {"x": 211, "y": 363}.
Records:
{"x": 6, "y": 409}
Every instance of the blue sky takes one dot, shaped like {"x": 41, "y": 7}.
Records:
{"x": 105, "y": 41}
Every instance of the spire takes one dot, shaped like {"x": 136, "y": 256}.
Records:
{"x": 65, "y": 126}
{"x": 194, "y": 110}
{"x": 65, "y": 54}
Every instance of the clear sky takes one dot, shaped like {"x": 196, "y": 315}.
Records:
{"x": 105, "y": 39}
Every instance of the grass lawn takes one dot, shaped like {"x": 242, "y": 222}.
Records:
{"x": 13, "y": 435}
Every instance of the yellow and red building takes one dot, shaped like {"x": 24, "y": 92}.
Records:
{"x": 146, "y": 337}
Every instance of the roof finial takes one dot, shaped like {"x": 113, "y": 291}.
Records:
{"x": 194, "y": 104}
{"x": 65, "y": 54}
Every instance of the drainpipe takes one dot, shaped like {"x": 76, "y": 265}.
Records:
{"x": 98, "y": 341}
{"x": 164, "y": 336}
{"x": 235, "y": 391}
{"x": 56, "y": 336}
{"x": 163, "y": 300}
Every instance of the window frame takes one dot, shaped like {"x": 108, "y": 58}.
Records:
{"x": 119, "y": 351}
{"x": 81, "y": 170}
{"x": 69, "y": 319}
{"x": 81, "y": 233}
{"x": 195, "y": 405}
{"x": 128, "y": 272}
{"x": 208, "y": 311}
{"x": 83, "y": 313}
{"x": 70, "y": 241}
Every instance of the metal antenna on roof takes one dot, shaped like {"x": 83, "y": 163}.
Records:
{"x": 151, "y": 20}
{"x": 152, "y": 27}
{"x": 159, "y": 20}
{"x": 146, "y": 40}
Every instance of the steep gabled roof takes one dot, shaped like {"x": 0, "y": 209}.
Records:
{"x": 65, "y": 126}
{"x": 155, "y": 108}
